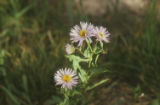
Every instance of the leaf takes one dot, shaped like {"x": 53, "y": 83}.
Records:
{"x": 76, "y": 65}
{"x": 22, "y": 12}
{"x": 75, "y": 92}
{"x": 87, "y": 53}
{"x": 97, "y": 84}
{"x": 3, "y": 33}
{"x": 96, "y": 59}
{"x": 83, "y": 79}
{"x": 155, "y": 102}
{"x": 98, "y": 71}
{"x": 2, "y": 54}
{"x": 54, "y": 100}
{"x": 25, "y": 83}
{"x": 98, "y": 50}
{"x": 76, "y": 60}
{"x": 83, "y": 76}
{"x": 11, "y": 96}
{"x": 26, "y": 98}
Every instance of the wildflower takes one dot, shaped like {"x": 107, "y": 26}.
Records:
{"x": 102, "y": 34}
{"x": 67, "y": 78}
{"x": 82, "y": 32}
{"x": 70, "y": 49}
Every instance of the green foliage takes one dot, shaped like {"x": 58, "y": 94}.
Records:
{"x": 96, "y": 84}
{"x": 29, "y": 57}
{"x": 134, "y": 54}
{"x": 32, "y": 36}
{"x": 137, "y": 92}
{"x": 11, "y": 96}
{"x": 155, "y": 102}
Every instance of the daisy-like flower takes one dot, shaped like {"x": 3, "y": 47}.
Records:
{"x": 82, "y": 32}
{"x": 67, "y": 78}
{"x": 102, "y": 34}
{"x": 70, "y": 49}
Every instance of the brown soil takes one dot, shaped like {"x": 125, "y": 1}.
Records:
{"x": 120, "y": 94}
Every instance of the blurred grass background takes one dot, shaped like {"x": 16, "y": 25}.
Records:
{"x": 32, "y": 39}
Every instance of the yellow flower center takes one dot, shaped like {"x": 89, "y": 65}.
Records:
{"x": 66, "y": 78}
{"x": 82, "y": 33}
{"x": 101, "y": 35}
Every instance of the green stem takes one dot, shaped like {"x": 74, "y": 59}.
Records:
{"x": 66, "y": 101}
{"x": 96, "y": 59}
{"x": 92, "y": 53}
{"x": 80, "y": 52}
{"x": 66, "y": 96}
{"x": 95, "y": 46}
{"x": 90, "y": 60}
{"x": 89, "y": 45}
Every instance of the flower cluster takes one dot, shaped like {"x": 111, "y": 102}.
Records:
{"x": 85, "y": 32}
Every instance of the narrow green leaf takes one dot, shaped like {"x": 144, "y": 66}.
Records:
{"x": 97, "y": 84}
{"x": 98, "y": 71}
{"x": 96, "y": 59}
{"x": 11, "y": 96}
{"x": 82, "y": 78}
{"x": 22, "y": 12}
{"x": 55, "y": 100}
{"x": 25, "y": 83}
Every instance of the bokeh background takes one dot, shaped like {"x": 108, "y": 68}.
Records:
{"x": 33, "y": 34}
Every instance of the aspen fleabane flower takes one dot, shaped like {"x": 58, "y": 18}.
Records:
{"x": 70, "y": 49}
{"x": 82, "y": 32}
{"x": 102, "y": 34}
{"x": 67, "y": 78}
